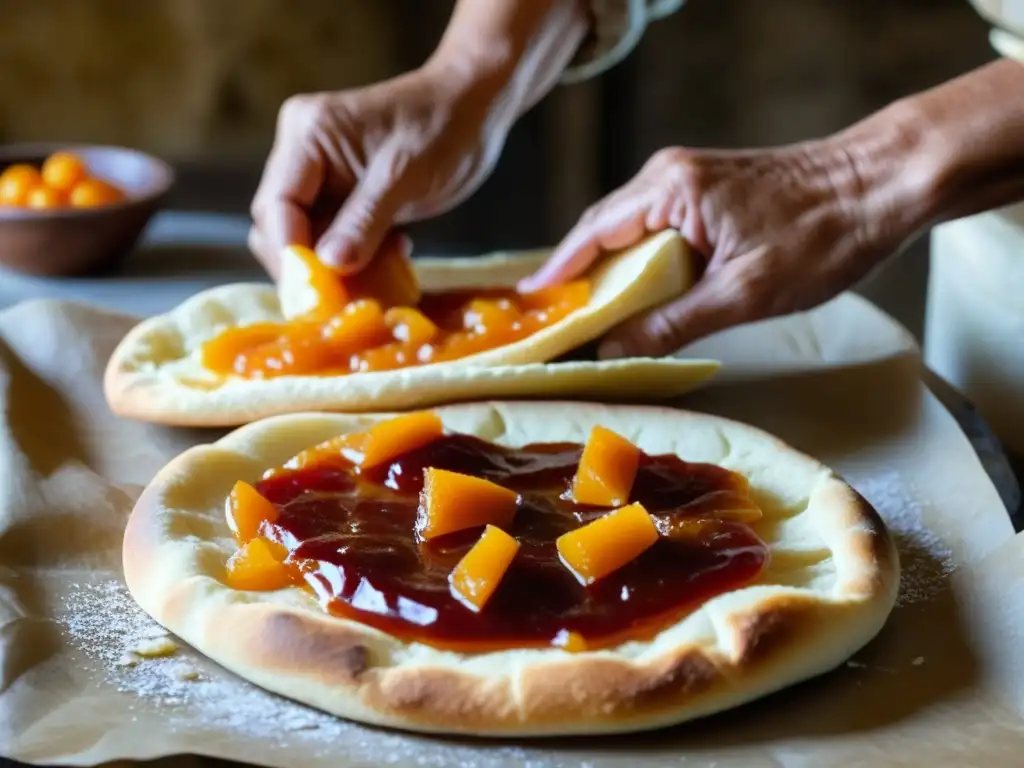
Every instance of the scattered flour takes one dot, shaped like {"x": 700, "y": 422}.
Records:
{"x": 926, "y": 562}
{"x": 189, "y": 693}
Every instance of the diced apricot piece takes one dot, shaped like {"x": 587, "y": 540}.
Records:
{"x": 300, "y": 350}
{"x": 571, "y": 296}
{"x": 358, "y": 327}
{"x": 388, "y": 279}
{"x": 222, "y": 351}
{"x": 410, "y": 326}
{"x": 388, "y": 357}
{"x": 247, "y": 511}
{"x": 451, "y": 502}
{"x": 259, "y": 566}
{"x": 326, "y": 284}
{"x": 490, "y": 316}
{"x": 572, "y": 642}
{"x": 391, "y": 438}
{"x": 606, "y": 470}
{"x": 480, "y": 570}
{"x": 608, "y": 543}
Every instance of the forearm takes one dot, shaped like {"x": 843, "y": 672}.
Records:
{"x": 510, "y": 52}
{"x": 954, "y": 150}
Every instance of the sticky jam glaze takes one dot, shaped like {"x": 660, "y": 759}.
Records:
{"x": 353, "y": 534}
{"x": 448, "y": 326}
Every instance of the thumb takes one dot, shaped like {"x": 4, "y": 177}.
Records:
{"x": 708, "y": 307}
{"x": 359, "y": 229}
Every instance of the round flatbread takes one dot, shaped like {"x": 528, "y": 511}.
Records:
{"x": 830, "y": 584}
{"x": 155, "y": 374}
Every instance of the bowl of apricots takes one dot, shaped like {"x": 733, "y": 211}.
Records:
{"x": 71, "y": 210}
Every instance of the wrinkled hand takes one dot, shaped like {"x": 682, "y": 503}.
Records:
{"x": 779, "y": 231}
{"x": 346, "y": 167}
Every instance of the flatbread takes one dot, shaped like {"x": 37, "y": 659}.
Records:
{"x": 155, "y": 373}
{"x": 828, "y": 590}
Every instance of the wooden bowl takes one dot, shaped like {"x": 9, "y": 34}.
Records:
{"x": 73, "y": 241}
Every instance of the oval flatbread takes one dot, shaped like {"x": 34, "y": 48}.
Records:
{"x": 155, "y": 373}
{"x": 829, "y": 587}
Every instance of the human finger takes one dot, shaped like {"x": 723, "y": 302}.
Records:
{"x": 616, "y": 223}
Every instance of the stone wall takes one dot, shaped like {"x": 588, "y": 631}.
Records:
{"x": 180, "y": 77}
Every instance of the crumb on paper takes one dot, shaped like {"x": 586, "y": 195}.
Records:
{"x": 155, "y": 647}
{"x": 918, "y": 661}
{"x": 184, "y": 672}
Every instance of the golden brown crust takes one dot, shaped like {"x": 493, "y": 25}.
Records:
{"x": 155, "y": 373}
{"x": 792, "y": 625}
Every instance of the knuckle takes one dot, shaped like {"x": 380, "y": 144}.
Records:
{"x": 671, "y": 156}
{"x": 663, "y": 330}
{"x": 680, "y": 172}
{"x": 257, "y": 209}
{"x": 300, "y": 111}
{"x": 754, "y": 291}
{"x": 591, "y": 214}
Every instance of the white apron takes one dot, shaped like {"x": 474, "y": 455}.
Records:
{"x": 974, "y": 327}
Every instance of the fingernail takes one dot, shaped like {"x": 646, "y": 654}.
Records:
{"x": 339, "y": 258}
{"x": 527, "y": 284}
{"x": 611, "y": 350}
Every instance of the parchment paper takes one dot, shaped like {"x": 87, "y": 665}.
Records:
{"x": 942, "y": 684}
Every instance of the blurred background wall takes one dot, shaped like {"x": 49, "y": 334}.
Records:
{"x": 200, "y": 81}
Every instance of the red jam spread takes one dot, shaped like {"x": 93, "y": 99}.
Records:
{"x": 352, "y": 534}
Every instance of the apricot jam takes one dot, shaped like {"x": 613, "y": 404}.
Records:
{"x": 352, "y": 532}
{"x": 363, "y": 336}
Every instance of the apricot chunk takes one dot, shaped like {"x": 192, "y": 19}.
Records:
{"x": 259, "y": 566}
{"x": 391, "y": 438}
{"x": 480, "y": 570}
{"x": 297, "y": 350}
{"x": 410, "y": 326}
{"x": 389, "y": 279}
{"x": 606, "y": 470}
{"x": 573, "y": 642}
{"x": 603, "y": 546}
{"x": 247, "y": 511}
{"x": 494, "y": 317}
{"x": 323, "y": 295}
{"x": 388, "y": 357}
{"x": 359, "y": 326}
{"x": 568, "y": 296}
{"x": 451, "y": 502}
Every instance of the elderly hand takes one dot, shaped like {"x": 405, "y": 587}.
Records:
{"x": 347, "y": 166}
{"x": 779, "y": 231}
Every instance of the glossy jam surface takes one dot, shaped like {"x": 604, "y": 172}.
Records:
{"x": 365, "y": 336}
{"x": 353, "y": 534}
